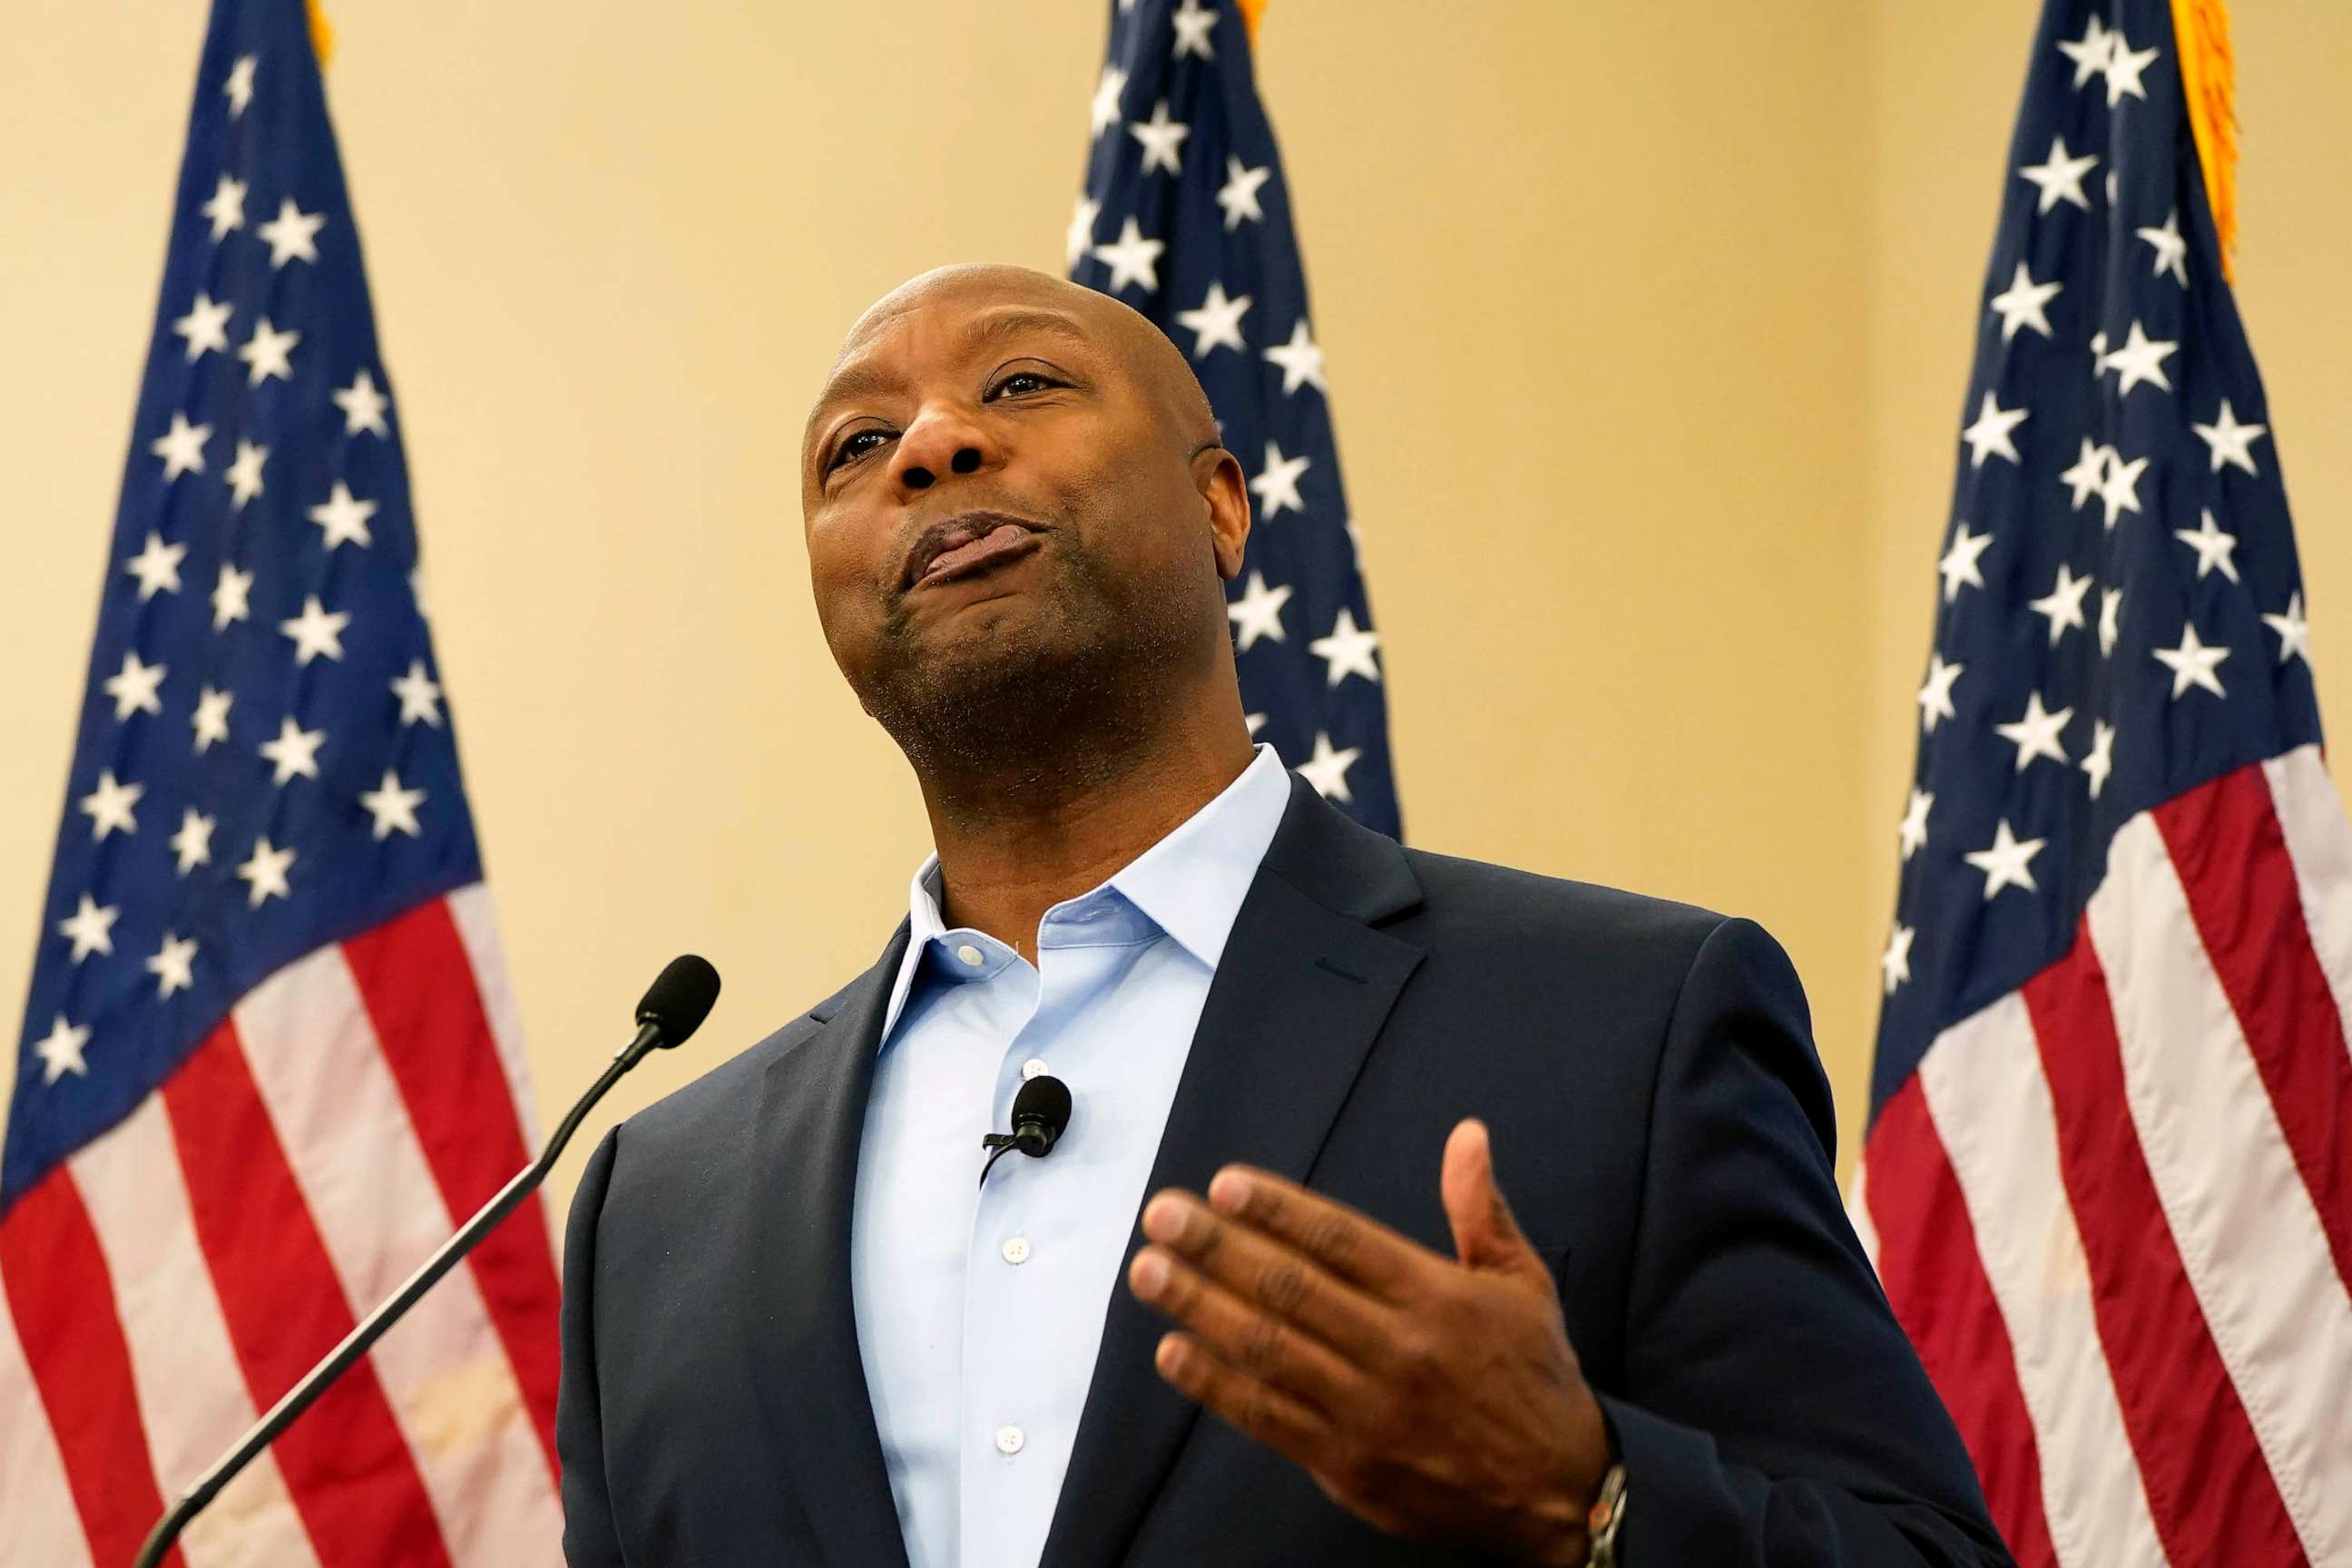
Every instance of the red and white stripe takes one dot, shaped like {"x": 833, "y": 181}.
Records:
{"x": 2113, "y": 1209}
{"x": 178, "y": 1274}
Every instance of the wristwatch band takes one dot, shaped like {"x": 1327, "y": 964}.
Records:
{"x": 1601, "y": 1523}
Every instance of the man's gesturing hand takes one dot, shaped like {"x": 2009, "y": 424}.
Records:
{"x": 1436, "y": 1397}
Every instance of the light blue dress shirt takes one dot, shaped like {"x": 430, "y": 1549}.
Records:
{"x": 979, "y": 1310}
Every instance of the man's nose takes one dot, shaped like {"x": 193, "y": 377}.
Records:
{"x": 944, "y": 439}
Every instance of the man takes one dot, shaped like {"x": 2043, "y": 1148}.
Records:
{"x": 794, "y": 1333}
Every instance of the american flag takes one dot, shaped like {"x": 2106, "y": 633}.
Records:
{"x": 270, "y": 1057}
{"x": 1186, "y": 217}
{"x": 2108, "y": 1177}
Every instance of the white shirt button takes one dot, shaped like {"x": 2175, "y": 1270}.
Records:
{"x": 1033, "y": 1067}
{"x": 970, "y": 954}
{"x": 1016, "y": 1249}
{"x": 1008, "y": 1439}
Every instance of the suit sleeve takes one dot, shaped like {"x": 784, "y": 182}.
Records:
{"x": 1772, "y": 1413}
{"x": 591, "y": 1538}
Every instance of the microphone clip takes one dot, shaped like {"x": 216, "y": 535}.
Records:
{"x": 1030, "y": 1135}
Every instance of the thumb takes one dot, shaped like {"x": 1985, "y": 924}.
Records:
{"x": 1486, "y": 1235}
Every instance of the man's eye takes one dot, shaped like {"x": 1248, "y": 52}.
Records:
{"x": 851, "y": 449}
{"x": 1020, "y": 383}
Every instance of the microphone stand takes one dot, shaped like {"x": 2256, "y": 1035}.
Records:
{"x": 317, "y": 1381}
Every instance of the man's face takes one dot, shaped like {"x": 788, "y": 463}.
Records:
{"x": 994, "y": 501}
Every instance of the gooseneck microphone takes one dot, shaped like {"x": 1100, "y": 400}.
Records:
{"x": 674, "y": 1007}
{"x": 1041, "y": 1112}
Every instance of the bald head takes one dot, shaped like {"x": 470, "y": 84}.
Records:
{"x": 996, "y": 300}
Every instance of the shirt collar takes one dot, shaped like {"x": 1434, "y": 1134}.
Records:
{"x": 1190, "y": 884}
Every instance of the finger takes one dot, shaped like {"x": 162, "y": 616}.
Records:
{"x": 1345, "y": 1241}
{"x": 1247, "y": 1336}
{"x": 1485, "y": 1233}
{"x": 1254, "y": 1408}
{"x": 1275, "y": 1277}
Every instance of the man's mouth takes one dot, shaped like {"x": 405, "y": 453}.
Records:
{"x": 966, "y": 546}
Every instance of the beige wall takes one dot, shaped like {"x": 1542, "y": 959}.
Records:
{"x": 1647, "y": 325}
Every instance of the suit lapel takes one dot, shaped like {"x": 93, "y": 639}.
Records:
{"x": 804, "y": 1355}
{"x": 1303, "y": 988}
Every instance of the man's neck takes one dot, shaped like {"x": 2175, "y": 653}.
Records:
{"x": 1011, "y": 849}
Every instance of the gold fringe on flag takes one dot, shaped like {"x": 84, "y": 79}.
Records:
{"x": 1252, "y": 10}
{"x": 322, "y": 34}
{"x": 2209, "y": 79}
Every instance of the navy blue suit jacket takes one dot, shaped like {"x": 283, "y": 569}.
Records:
{"x": 1661, "y": 1126}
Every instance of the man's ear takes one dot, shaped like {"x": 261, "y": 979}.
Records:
{"x": 1218, "y": 473}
